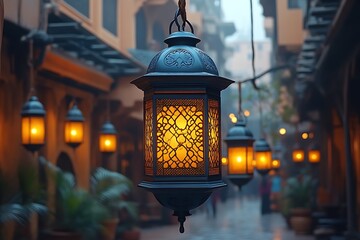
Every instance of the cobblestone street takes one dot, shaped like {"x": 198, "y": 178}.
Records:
{"x": 238, "y": 218}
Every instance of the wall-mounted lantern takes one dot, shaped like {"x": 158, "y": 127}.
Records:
{"x": 107, "y": 138}
{"x": 262, "y": 156}
{"x": 74, "y": 127}
{"x": 314, "y": 154}
{"x": 298, "y": 154}
{"x": 239, "y": 143}
{"x": 33, "y": 124}
{"x": 182, "y": 124}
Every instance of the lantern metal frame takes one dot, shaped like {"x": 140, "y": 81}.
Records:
{"x": 108, "y": 129}
{"x": 240, "y": 136}
{"x": 180, "y": 73}
{"x": 33, "y": 108}
{"x": 74, "y": 115}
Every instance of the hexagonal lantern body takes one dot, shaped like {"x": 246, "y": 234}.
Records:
{"x": 33, "y": 124}
{"x": 108, "y": 138}
{"x": 239, "y": 143}
{"x": 262, "y": 156}
{"x": 182, "y": 125}
{"x": 74, "y": 127}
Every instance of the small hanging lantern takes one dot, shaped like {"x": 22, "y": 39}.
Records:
{"x": 314, "y": 154}
{"x": 262, "y": 156}
{"x": 107, "y": 138}
{"x": 182, "y": 124}
{"x": 74, "y": 127}
{"x": 298, "y": 154}
{"x": 276, "y": 164}
{"x": 33, "y": 124}
{"x": 239, "y": 143}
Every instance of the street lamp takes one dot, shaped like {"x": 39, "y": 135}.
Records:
{"x": 262, "y": 156}
{"x": 182, "y": 123}
{"x": 74, "y": 127}
{"x": 239, "y": 141}
{"x": 33, "y": 124}
{"x": 107, "y": 138}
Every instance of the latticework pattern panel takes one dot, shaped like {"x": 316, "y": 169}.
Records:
{"x": 214, "y": 136}
{"x": 180, "y": 137}
{"x": 148, "y": 139}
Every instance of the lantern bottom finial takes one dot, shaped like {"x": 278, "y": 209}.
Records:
{"x": 181, "y": 218}
{"x": 240, "y": 180}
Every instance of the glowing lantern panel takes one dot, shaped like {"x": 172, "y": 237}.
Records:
{"x": 314, "y": 156}
{"x": 108, "y": 138}
{"x": 298, "y": 155}
{"x": 262, "y": 156}
{"x": 74, "y": 127}
{"x": 276, "y": 164}
{"x": 240, "y": 160}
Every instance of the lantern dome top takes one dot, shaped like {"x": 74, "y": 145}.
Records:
{"x": 182, "y": 57}
{"x": 108, "y": 128}
{"x": 33, "y": 107}
{"x": 261, "y": 146}
{"x": 74, "y": 114}
{"x": 239, "y": 132}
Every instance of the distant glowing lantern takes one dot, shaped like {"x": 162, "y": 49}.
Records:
{"x": 74, "y": 127}
{"x": 298, "y": 154}
{"x": 33, "y": 124}
{"x": 276, "y": 157}
{"x": 314, "y": 154}
{"x": 247, "y": 113}
{"x": 239, "y": 141}
{"x": 262, "y": 156}
{"x": 282, "y": 131}
{"x": 182, "y": 125}
{"x": 224, "y": 161}
{"x": 305, "y": 135}
{"x": 276, "y": 164}
{"x": 107, "y": 138}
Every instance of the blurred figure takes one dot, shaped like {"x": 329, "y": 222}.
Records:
{"x": 211, "y": 203}
{"x": 275, "y": 192}
{"x": 265, "y": 191}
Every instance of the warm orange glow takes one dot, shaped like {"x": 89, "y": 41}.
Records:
{"x": 33, "y": 130}
{"x": 74, "y": 132}
{"x": 314, "y": 156}
{"x": 247, "y": 113}
{"x": 275, "y": 164}
{"x": 231, "y": 115}
{"x": 240, "y": 160}
{"x": 180, "y": 139}
{"x": 298, "y": 155}
{"x": 224, "y": 161}
{"x": 304, "y": 135}
{"x": 107, "y": 143}
{"x": 234, "y": 119}
{"x": 263, "y": 160}
{"x": 282, "y": 131}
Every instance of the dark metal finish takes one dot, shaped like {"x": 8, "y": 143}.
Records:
{"x": 181, "y": 73}
{"x": 108, "y": 128}
{"x": 240, "y": 180}
{"x": 74, "y": 115}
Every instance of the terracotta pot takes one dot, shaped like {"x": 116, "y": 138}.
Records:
{"x": 62, "y": 235}
{"x": 301, "y": 224}
{"x": 131, "y": 235}
{"x": 109, "y": 230}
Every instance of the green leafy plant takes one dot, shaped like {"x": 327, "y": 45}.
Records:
{"x": 76, "y": 209}
{"x": 298, "y": 191}
{"x": 111, "y": 189}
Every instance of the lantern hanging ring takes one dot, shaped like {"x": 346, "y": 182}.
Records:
{"x": 181, "y": 11}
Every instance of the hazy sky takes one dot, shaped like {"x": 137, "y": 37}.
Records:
{"x": 238, "y": 11}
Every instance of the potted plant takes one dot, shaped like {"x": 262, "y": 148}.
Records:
{"x": 110, "y": 189}
{"x": 298, "y": 192}
{"x": 78, "y": 214}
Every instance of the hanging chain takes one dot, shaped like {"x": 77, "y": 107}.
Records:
{"x": 182, "y": 11}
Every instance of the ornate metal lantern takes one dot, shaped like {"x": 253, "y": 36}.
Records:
{"x": 240, "y": 154}
{"x": 107, "y": 138}
{"x": 298, "y": 154}
{"x": 74, "y": 127}
{"x": 33, "y": 124}
{"x": 262, "y": 156}
{"x": 182, "y": 124}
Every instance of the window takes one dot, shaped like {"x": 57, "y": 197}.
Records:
{"x": 293, "y": 4}
{"x": 109, "y": 15}
{"x": 82, "y": 6}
